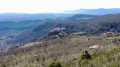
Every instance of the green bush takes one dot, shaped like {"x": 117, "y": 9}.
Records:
{"x": 118, "y": 39}
{"x": 3, "y": 65}
{"x": 85, "y": 55}
{"x": 114, "y": 41}
{"x": 54, "y": 64}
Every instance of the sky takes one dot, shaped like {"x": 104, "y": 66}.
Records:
{"x": 53, "y": 6}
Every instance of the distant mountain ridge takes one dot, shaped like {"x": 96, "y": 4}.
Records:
{"x": 99, "y": 11}
{"x": 81, "y": 17}
{"x": 24, "y": 16}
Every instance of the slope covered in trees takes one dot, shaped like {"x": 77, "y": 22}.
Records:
{"x": 97, "y": 25}
{"x": 81, "y": 17}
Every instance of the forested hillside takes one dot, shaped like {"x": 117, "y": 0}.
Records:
{"x": 97, "y": 25}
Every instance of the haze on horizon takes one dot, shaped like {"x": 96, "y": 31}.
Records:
{"x": 53, "y": 6}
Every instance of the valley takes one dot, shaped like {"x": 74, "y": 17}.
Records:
{"x": 14, "y": 24}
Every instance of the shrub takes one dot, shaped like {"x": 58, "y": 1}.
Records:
{"x": 54, "y": 64}
{"x": 114, "y": 41}
{"x": 85, "y": 55}
{"x": 3, "y": 65}
{"x": 118, "y": 39}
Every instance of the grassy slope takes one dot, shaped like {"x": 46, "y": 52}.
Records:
{"x": 66, "y": 50}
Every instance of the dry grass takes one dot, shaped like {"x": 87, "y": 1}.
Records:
{"x": 66, "y": 50}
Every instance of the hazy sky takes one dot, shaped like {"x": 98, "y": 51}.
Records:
{"x": 38, "y": 6}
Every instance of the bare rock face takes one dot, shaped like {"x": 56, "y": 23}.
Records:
{"x": 57, "y": 29}
{"x": 94, "y": 47}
